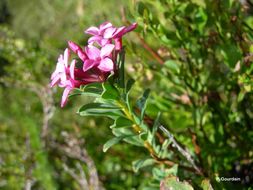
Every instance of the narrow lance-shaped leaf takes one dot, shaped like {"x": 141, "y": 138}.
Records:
{"x": 122, "y": 122}
{"x": 111, "y": 142}
{"x": 134, "y": 140}
{"x": 100, "y": 109}
{"x": 110, "y": 92}
{"x": 121, "y": 64}
{"x": 94, "y": 89}
{"x": 142, "y": 102}
{"x": 142, "y": 163}
{"x": 155, "y": 125}
{"x": 128, "y": 87}
{"x": 122, "y": 131}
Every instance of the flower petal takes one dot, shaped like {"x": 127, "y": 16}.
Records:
{"x": 106, "y": 65}
{"x": 131, "y": 27}
{"x": 66, "y": 57}
{"x": 63, "y": 76}
{"x": 65, "y": 83}
{"x": 95, "y": 39}
{"x": 74, "y": 47}
{"x": 88, "y": 64}
{"x": 54, "y": 74}
{"x": 123, "y": 30}
{"x": 92, "y": 52}
{"x": 82, "y": 55}
{"x": 105, "y": 41}
{"x": 106, "y": 50}
{"x": 55, "y": 80}
{"x": 72, "y": 69}
{"x": 118, "y": 44}
{"x": 104, "y": 26}
{"x": 119, "y": 32}
{"x": 109, "y": 32}
{"x": 92, "y": 30}
{"x": 65, "y": 96}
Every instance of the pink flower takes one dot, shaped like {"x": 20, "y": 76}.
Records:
{"x": 97, "y": 62}
{"x": 106, "y": 32}
{"x": 60, "y": 73}
{"x": 118, "y": 32}
{"x": 64, "y": 75}
{"x": 71, "y": 83}
{"x": 98, "y": 34}
{"x": 77, "y": 50}
{"x": 102, "y": 59}
{"x": 98, "y": 31}
{"x": 70, "y": 77}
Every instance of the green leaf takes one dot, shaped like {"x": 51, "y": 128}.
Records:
{"x": 158, "y": 173}
{"x": 142, "y": 163}
{"x": 140, "y": 8}
{"x": 141, "y": 103}
{"x": 121, "y": 65}
{"x": 156, "y": 124}
{"x": 134, "y": 140}
{"x": 150, "y": 138}
{"x": 98, "y": 106}
{"x": 100, "y": 109}
{"x": 111, "y": 142}
{"x": 110, "y": 92}
{"x": 166, "y": 143}
{"x": 173, "y": 183}
{"x": 172, "y": 65}
{"x": 123, "y": 131}
{"x": 129, "y": 85}
{"x": 94, "y": 89}
{"x": 122, "y": 122}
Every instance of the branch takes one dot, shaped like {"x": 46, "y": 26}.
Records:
{"x": 184, "y": 152}
{"x": 81, "y": 179}
{"x": 74, "y": 149}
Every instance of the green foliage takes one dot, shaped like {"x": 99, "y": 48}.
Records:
{"x": 195, "y": 57}
{"x": 112, "y": 142}
{"x": 205, "y": 47}
{"x": 142, "y": 163}
{"x": 29, "y": 45}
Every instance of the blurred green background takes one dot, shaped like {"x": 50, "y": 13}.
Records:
{"x": 32, "y": 35}
{"x": 196, "y": 56}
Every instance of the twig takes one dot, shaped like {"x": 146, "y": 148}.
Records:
{"x": 74, "y": 149}
{"x": 184, "y": 152}
{"x": 170, "y": 164}
{"x": 80, "y": 179}
{"x": 154, "y": 54}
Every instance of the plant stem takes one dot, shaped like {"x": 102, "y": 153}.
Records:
{"x": 151, "y": 150}
{"x": 184, "y": 152}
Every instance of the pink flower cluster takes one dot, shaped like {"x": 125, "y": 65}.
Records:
{"x": 98, "y": 58}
